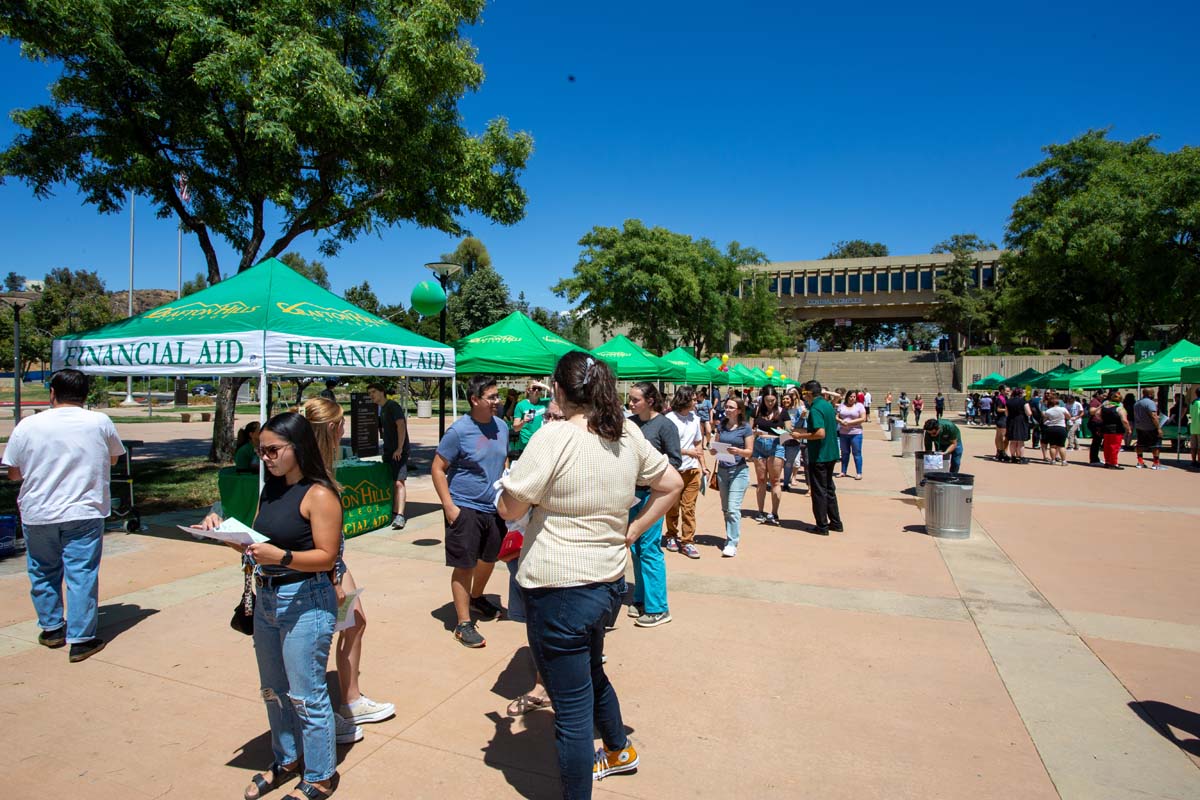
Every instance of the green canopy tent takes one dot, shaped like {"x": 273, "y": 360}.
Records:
{"x": 631, "y": 362}
{"x": 739, "y": 375}
{"x": 990, "y": 382}
{"x": 1163, "y": 369}
{"x": 696, "y": 373}
{"x": 516, "y": 345}
{"x": 1190, "y": 375}
{"x": 1043, "y": 381}
{"x": 1086, "y": 378}
{"x": 1022, "y": 378}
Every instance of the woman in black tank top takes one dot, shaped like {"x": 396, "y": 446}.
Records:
{"x": 301, "y": 515}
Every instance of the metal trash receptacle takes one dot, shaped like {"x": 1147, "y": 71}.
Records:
{"x": 948, "y": 504}
{"x": 896, "y": 429}
{"x": 883, "y": 417}
{"x": 912, "y": 440}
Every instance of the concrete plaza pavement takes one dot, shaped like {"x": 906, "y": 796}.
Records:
{"x": 1056, "y": 652}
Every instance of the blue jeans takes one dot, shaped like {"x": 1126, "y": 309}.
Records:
{"x": 851, "y": 442}
{"x": 956, "y": 458}
{"x": 69, "y": 550}
{"x": 649, "y": 566}
{"x": 516, "y": 601}
{"x": 566, "y": 635}
{"x": 293, "y": 626}
{"x": 733, "y": 482}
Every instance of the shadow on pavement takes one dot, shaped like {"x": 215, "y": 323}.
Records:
{"x": 916, "y": 529}
{"x": 516, "y": 678}
{"x": 524, "y": 753}
{"x": 116, "y": 618}
{"x": 1164, "y": 716}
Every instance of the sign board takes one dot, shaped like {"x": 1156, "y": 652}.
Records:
{"x": 1146, "y": 348}
{"x": 364, "y": 425}
{"x": 845, "y": 323}
{"x": 976, "y": 377}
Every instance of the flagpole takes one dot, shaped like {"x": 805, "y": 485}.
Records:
{"x": 129, "y": 401}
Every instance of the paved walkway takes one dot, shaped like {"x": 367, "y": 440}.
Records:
{"x": 1054, "y": 653}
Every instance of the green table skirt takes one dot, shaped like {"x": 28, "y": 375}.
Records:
{"x": 366, "y": 495}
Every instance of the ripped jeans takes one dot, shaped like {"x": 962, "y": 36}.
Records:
{"x": 293, "y": 627}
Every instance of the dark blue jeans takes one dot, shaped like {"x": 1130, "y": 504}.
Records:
{"x": 566, "y": 635}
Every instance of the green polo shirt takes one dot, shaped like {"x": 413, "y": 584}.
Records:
{"x": 947, "y": 433}
{"x": 822, "y": 415}
{"x": 529, "y": 428}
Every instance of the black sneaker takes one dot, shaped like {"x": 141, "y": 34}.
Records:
{"x": 771, "y": 520}
{"x": 83, "y": 650}
{"x": 839, "y": 528}
{"x": 467, "y": 635}
{"x": 53, "y": 639}
{"x": 486, "y": 609}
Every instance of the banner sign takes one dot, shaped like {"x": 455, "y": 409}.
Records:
{"x": 305, "y": 355}
{"x": 236, "y": 354}
{"x": 364, "y": 425}
{"x": 1146, "y": 348}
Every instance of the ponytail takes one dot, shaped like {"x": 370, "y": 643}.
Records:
{"x": 588, "y": 384}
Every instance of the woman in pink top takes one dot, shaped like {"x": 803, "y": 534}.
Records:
{"x": 851, "y": 416}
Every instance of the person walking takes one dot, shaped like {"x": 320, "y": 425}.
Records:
{"x": 769, "y": 454}
{"x": 822, "y": 458}
{"x": 733, "y": 474}
{"x": 985, "y": 408}
{"x": 393, "y": 427}
{"x": 939, "y": 405}
{"x": 295, "y": 606}
{"x": 63, "y": 457}
{"x": 649, "y": 567}
{"x": 1056, "y": 418}
{"x": 469, "y": 460}
{"x": 867, "y": 400}
{"x": 887, "y": 403}
{"x": 577, "y": 481}
{"x": 328, "y": 421}
{"x": 904, "y": 403}
{"x": 690, "y": 425}
{"x": 1114, "y": 426}
{"x": 918, "y": 406}
{"x": 1148, "y": 427}
{"x": 851, "y": 416}
{"x": 944, "y": 436}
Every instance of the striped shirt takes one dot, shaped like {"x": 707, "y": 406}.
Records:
{"x": 581, "y": 487}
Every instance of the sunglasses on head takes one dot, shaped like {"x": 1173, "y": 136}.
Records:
{"x": 271, "y": 451}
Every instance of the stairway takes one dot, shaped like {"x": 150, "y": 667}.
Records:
{"x": 884, "y": 371}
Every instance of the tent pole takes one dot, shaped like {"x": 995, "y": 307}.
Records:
{"x": 454, "y": 396}
{"x": 262, "y": 419}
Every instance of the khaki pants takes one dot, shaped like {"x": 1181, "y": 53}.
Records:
{"x": 685, "y": 507}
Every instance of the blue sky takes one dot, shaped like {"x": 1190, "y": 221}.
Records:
{"x": 783, "y": 127}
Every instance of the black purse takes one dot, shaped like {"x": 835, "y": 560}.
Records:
{"x": 243, "y": 612}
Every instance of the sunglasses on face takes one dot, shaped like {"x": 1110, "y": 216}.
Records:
{"x": 271, "y": 451}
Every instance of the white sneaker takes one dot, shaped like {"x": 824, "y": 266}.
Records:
{"x": 346, "y": 731}
{"x": 730, "y": 551}
{"x": 364, "y": 709}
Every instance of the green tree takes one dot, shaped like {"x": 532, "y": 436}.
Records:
{"x": 471, "y": 254}
{"x": 962, "y": 308}
{"x": 481, "y": 300}
{"x": 522, "y": 304}
{"x": 14, "y": 282}
{"x": 335, "y": 119}
{"x": 760, "y": 325}
{"x": 857, "y": 248}
{"x": 313, "y": 270}
{"x": 364, "y": 297}
{"x": 1104, "y": 244}
{"x": 72, "y": 301}
{"x": 196, "y": 284}
{"x": 719, "y": 311}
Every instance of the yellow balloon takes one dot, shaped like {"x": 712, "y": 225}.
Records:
{"x": 724, "y": 357}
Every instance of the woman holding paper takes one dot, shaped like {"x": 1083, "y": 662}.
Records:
{"x": 736, "y": 440}
{"x": 301, "y": 516}
{"x": 329, "y": 426}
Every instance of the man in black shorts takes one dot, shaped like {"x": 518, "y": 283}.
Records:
{"x": 469, "y": 460}
{"x": 393, "y": 427}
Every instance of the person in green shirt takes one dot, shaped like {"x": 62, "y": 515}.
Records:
{"x": 525, "y": 414}
{"x": 823, "y": 454}
{"x": 245, "y": 459}
{"x": 1194, "y": 428}
{"x": 943, "y": 435}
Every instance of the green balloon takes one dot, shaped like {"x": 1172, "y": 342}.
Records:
{"x": 428, "y": 298}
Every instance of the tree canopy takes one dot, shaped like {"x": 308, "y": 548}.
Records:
{"x": 1105, "y": 243}
{"x": 962, "y": 307}
{"x": 857, "y": 248}
{"x": 481, "y": 300}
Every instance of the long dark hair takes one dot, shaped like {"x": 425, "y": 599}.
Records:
{"x": 587, "y": 383}
{"x": 296, "y": 431}
{"x": 650, "y": 394}
{"x": 243, "y": 436}
{"x": 760, "y": 409}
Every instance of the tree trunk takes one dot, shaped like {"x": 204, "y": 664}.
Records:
{"x": 223, "y": 437}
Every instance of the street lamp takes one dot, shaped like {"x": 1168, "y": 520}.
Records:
{"x": 443, "y": 270}
{"x": 16, "y": 307}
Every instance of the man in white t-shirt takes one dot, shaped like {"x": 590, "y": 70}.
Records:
{"x": 1075, "y": 409}
{"x": 681, "y": 535}
{"x": 63, "y": 457}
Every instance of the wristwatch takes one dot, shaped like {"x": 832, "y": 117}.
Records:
{"x": 287, "y": 558}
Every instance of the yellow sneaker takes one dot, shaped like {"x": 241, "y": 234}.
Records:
{"x": 610, "y": 762}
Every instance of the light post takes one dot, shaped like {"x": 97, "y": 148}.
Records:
{"x": 16, "y": 307}
{"x": 129, "y": 401}
{"x": 443, "y": 270}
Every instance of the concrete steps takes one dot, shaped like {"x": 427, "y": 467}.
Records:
{"x": 884, "y": 371}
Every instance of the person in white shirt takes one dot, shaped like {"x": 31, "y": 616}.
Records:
{"x": 1075, "y": 408}
{"x": 691, "y": 443}
{"x": 62, "y": 457}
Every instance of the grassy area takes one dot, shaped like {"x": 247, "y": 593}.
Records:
{"x": 167, "y": 484}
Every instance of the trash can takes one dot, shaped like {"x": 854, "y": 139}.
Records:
{"x": 919, "y": 469}
{"x": 883, "y": 417}
{"x": 424, "y": 409}
{"x": 912, "y": 439}
{"x": 897, "y": 429}
{"x": 8, "y": 534}
{"x": 948, "y": 504}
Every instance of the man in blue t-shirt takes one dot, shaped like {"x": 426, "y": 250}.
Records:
{"x": 469, "y": 460}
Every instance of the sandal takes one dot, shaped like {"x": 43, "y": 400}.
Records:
{"x": 278, "y": 775}
{"x": 312, "y": 791}
{"x": 526, "y": 703}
